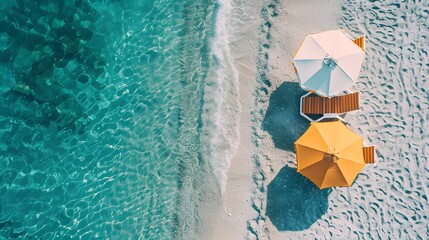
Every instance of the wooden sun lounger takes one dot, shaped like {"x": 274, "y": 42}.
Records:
{"x": 314, "y": 104}
{"x": 360, "y": 42}
{"x": 369, "y": 154}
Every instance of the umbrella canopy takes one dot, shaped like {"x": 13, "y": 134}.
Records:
{"x": 329, "y": 154}
{"x": 328, "y": 62}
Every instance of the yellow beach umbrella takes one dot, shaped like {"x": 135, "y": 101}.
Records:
{"x": 329, "y": 154}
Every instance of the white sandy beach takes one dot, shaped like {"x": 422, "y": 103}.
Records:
{"x": 238, "y": 213}
{"x": 387, "y": 200}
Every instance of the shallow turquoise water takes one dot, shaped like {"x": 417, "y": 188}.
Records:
{"x": 101, "y": 110}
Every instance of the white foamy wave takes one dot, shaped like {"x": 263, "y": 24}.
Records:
{"x": 222, "y": 109}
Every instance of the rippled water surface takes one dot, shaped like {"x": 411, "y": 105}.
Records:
{"x": 101, "y": 104}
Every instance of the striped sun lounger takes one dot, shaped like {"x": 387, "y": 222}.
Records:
{"x": 360, "y": 42}
{"x": 314, "y": 104}
{"x": 369, "y": 154}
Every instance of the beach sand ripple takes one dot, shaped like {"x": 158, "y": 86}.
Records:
{"x": 388, "y": 200}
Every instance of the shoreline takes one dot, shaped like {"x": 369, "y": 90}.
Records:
{"x": 236, "y": 207}
{"x": 385, "y": 200}
{"x": 258, "y": 161}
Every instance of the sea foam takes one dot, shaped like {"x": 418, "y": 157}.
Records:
{"x": 222, "y": 109}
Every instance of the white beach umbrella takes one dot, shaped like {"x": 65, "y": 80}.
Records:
{"x": 328, "y": 62}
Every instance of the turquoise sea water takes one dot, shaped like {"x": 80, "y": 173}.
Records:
{"x": 100, "y": 117}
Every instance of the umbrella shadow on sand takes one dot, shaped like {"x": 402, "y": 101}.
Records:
{"x": 294, "y": 203}
{"x": 282, "y": 120}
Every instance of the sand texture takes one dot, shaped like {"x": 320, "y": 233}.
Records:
{"x": 387, "y": 201}
{"x": 391, "y": 198}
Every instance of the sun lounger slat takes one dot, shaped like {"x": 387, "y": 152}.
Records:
{"x": 342, "y": 104}
{"x": 312, "y": 105}
{"x": 360, "y": 42}
{"x": 369, "y": 154}
{"x": 339, "y": 104}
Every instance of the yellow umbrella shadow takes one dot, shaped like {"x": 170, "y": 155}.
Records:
{"x": 293, "y": 202}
